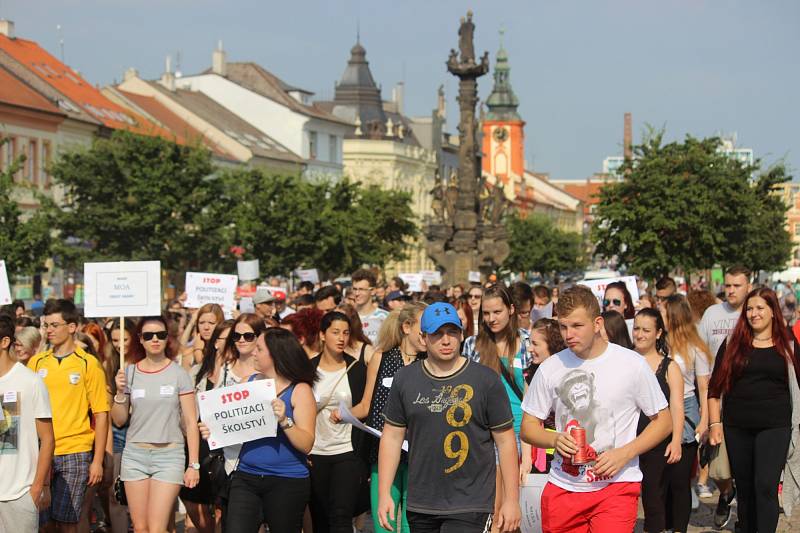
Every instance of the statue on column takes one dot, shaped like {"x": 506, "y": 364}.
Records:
{"x": 465, "y": 36}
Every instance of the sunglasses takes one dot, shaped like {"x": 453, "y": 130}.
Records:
{"x": 148, "y": 335}
{"x": 615, "y": 301}
{"x": 248, "y": 337}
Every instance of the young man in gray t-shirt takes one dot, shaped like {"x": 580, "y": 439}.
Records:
{"x": 454, "y": 412}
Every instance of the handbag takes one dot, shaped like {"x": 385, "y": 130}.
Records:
{"x": 119, "y": 492}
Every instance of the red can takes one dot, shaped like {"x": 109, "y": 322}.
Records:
{"x": 581, "y": 457}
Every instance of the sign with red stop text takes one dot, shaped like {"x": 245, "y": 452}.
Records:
{"x": 239, "y": 413}
{"x": 205, "y": 288}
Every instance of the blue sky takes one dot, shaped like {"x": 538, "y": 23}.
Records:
{"x": 692, "y": 66}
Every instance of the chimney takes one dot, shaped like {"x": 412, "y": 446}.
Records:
{"x": 130, "y": 74}
{"x": 7, "y": 28}
{"x": 627, "y": 139}
{"x": 398, "y": 94}
{"x": 218, "y": 64}
{"x": 168, "y": 78}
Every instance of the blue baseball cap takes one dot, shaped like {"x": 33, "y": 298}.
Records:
{"x": 437, "y": 315}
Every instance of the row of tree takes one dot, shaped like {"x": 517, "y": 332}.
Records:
{"x": 131, "y": 197}
{"x": 683, "y": 205}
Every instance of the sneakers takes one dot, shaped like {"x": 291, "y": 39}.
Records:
{"x": 723, "y": 513}
{"x": 704, "y": 491}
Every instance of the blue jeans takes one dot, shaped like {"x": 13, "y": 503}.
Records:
{"x": 691, "y": 413}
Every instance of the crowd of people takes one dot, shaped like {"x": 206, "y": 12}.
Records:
{"x": 617, "y": 399}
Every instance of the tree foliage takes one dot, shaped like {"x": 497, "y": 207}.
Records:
{"x": 538, "y": 246}
{"x": 288, "y": 222}
{"x": 135, "y": 198}
{"x": 24, "y": 237}
{"x": 132, "y": 197}
{"x": 688, "y": 205}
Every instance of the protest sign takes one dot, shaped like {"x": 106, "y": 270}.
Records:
{"x": 431, "y": 277}
{"x": 246, "y": 305}
{"x": 5, "y": 290}
{"x": 310, "y": 274}
{"x": 598, "y": 286}
{"x": 474, "y": 277}
{"x": 530, "y": 496}
{"x": 125, "y": 288}
{"x": 239, "y": 413}
{"x": 348, "y": 418}
{"x": 248, "y": 270}
{"x": 413, "y": 280}
{"x": 204, "y": 288}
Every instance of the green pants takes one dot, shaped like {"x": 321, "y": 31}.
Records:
{"x": 399, "y": 495}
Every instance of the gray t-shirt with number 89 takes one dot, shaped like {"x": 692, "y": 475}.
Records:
{"x": 155, "y": 403}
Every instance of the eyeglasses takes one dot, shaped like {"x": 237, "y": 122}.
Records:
{"x": 160, "y": 335}
{"x": 615, "y": 301}
{"x": 362, "y": 289}
{"x": 248, "y": 337}
{"x": 53, "y": 325}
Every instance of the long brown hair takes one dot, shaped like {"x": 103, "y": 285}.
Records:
{"x": 251, "y": 319}
{"x": 740, "y": 344}
{"x": 214, "y": 309}
{"x": 683, "y": 334}
{"x": 356, "y": 328}
{"x": 486, "y": 342}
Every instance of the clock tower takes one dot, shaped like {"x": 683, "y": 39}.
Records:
{"x": 503, "y": 129}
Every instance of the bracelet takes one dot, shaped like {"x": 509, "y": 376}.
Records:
{"x": 712, "y": 424}
{"x": 124, "y": 399}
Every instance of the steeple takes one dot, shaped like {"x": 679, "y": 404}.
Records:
{"x": 357, "y": 89}
{"x": 502, "y": 102}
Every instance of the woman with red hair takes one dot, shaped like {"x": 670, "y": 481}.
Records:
{"x": 751, "y": 380}
{"x": 305, "y": 326}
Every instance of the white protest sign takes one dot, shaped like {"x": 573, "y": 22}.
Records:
{"x": 530, "y": 496}
{"x": 431, "y": 277}
{"x": 348, "y": 418}
{"x": 474, "y": 277}
{"x": 246, "y": 305}
{"x": 239, "y": 413}
{"x": 248, "y": 270}
{"x": 310, "y": 274}
{"x": 125, "y": 288}
{"x": 413, "y": 280}
{"x": 5, "y": 290}
{"x": 204, "y": 288}
{"x": 598, "y": 286}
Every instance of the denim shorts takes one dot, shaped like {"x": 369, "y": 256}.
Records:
{"x": 162, "y": 464}
{"x": 691, "y": 417}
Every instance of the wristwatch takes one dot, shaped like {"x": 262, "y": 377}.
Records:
{"x": 288, "y": 423}
{"x": 194, "y": 466}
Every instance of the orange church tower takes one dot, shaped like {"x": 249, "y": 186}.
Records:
{"x": 503, "y": 129}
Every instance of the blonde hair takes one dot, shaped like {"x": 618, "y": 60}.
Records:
{"x": 575, "y": 297}
{"x": 683, "y": 334}
{"x": 30, "y": 338}
{"x": 391, "y": 332}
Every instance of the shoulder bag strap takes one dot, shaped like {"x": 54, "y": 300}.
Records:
{"x": 333, "y": 390}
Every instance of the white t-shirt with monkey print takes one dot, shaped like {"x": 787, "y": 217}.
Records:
{"x": 604, "y": 396}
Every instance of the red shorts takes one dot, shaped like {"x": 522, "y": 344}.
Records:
{"x": 609, "y": 510}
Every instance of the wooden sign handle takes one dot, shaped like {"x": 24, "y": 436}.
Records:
{"x": 122, "y": 342}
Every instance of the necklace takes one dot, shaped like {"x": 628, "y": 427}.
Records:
{"x": 763, "y": 338}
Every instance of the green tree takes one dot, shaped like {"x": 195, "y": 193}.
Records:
{"x": 25, "y": 239}
{"x": 688, "y": 205}
{"x": 131, "y": 197}
{"x": 538, "y": 246}
{"x": 288, "y": 222}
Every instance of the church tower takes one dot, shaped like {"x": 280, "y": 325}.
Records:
{"x": 503, "y": 129}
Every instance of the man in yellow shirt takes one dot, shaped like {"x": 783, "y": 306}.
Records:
{"x": 77, "y": 386}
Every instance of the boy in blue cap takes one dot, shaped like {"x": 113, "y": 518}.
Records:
{"x": 453, "y": 413}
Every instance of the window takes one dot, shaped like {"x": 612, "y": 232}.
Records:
{"x": 797, "y": 229}
{"x": 312, "y": 144}
{"x": 32, "y": 163}
{"x": 333, "y": 149}
{"x": 47, "y": 150}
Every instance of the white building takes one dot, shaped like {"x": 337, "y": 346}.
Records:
{"x": 276, "y": 108}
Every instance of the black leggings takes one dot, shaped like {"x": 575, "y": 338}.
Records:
{"x": 452, "y": 523}
{"x": 335, "y": 490}
{"x": 654, "y": 487}
{"x": 757, "y": 457}
{"x": 278, "y": 501}
{"x": 666, "y": 496}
